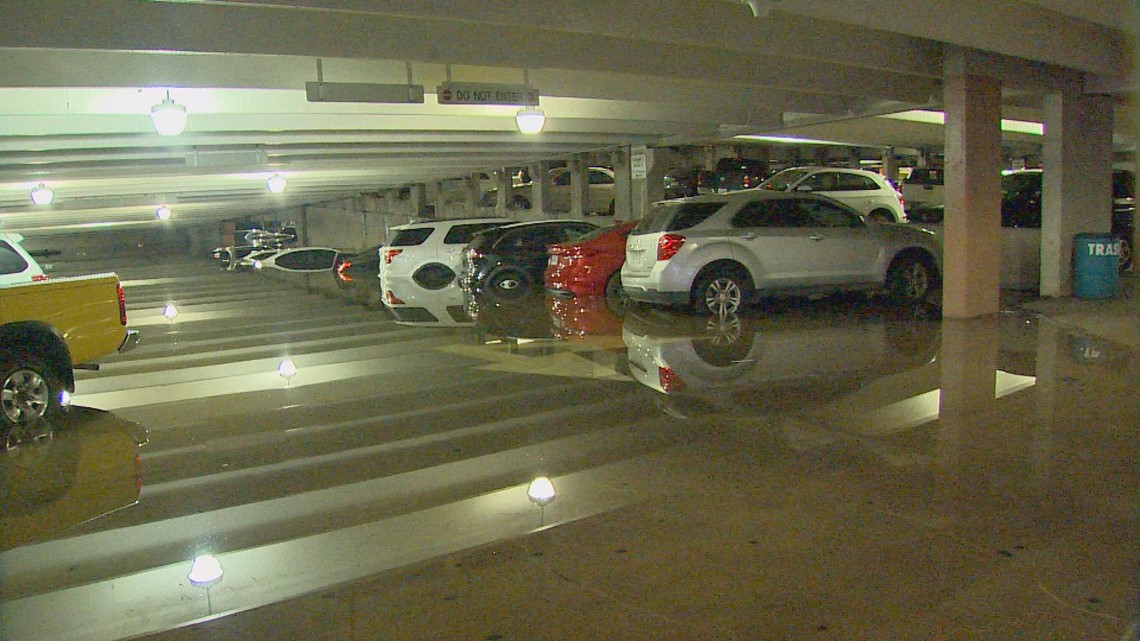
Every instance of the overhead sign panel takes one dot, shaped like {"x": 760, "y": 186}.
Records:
{"x": 363, "y": 92}
{"x": 485, "y": 93}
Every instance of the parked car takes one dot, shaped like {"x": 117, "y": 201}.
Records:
{"x": 1021, "y": 206}
{"x": 600, "y": 199}
{"x": 864, "y": 191}
{"x": 299, "y": 259}
{"x": 589, "y": 266}
{"x": 685, "y": 182}
{"x": 716, "y": 253}
{"x": 508, "y": 261}
{"x": 923, "y": 186}
{"x": 16, "y": 265}
{"x": 358, "y": 275}
{"x": 740, "y": 173}
{"x": 430, "y": 252}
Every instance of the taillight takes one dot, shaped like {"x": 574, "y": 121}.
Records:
{"x": 668, "y": 246}
{"x": 122, "y": 306}
{"x": 38, "y": 278}
{"x": 340, "y": 271}
{"x": 670, "y": 382}
{"x": 389, "y": 254}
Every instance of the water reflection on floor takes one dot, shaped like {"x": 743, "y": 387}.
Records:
{"x": 811, "y": 469}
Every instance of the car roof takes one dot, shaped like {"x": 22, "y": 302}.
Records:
{"x": 451, "y": 221}
{"x": 846, "y": 170}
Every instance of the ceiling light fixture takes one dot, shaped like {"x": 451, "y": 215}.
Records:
{"x": 276, "y": 183}
{"x": 162, "y": 213}
{"x": 530, "y": 120}
{"x": 42, "y": 194}
{"x": 168, "y": 116}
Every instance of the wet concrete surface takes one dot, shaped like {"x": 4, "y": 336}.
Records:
{"x": 835, "y": 469}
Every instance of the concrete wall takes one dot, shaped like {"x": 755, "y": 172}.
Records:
{"x": 1020, "y": 257}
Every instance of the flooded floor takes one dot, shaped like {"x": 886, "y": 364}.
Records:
{"x": 835, "y": 469}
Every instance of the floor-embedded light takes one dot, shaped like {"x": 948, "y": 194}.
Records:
{"x": 162, "y": 213}
{"x": 530, "y": 120}
{"x": 287, "y": 369}
{"x": 276, "y": 183}
{"x": 170, "y": 312}
{"x": 541, "y": 493}
{"x": 205, "y": 571}
{"x": 42, "y": 194}
{"x": 168, "y": 116}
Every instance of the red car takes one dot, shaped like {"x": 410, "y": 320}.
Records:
{"x": 589, "y": 266}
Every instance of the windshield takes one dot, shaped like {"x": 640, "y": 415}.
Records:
{"x": 784, "y": 180}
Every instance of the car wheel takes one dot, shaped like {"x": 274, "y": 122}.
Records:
{"x": 721, "y": 290}
{"x": 882, "y": 216}
{"x": 726, "y": 341}
{"x": 518, "y": 202}
{"x": 29, "y": 392}
{"x": 910, "y": 278}
{"x": 509, "y": 284}
{"x": 1126, "y": 259}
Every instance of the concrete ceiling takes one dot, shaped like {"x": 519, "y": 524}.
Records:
{"x": 78, "y": 79}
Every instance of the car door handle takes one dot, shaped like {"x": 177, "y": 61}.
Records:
{"x": 748, "y": 236}
{"x": 815, "y": 237}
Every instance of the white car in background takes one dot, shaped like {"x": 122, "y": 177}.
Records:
{"x": 16, "y": 265}
{"x": 430, "y": 253}
{"x": 866, "y": 192}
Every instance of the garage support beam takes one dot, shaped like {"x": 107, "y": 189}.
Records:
{"x": 579, "y": 186}
{"x": 971, "y": 236}
{"x": 619, "y": 160}
{"x": 1077, "y": 181}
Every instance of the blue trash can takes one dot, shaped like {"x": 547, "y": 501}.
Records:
{"x": 1096, "y": 259}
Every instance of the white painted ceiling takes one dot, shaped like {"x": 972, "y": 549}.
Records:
{"x": 78, "y": 79}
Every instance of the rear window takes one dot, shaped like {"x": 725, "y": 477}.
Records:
{"x": 411, "y": 237}
{"x": 10, "y": 261}
{"x": 924, "y": 177}
{"x": 461, "y": 234}
{"x": 676, "y": 216}
{"x": 784, "y": 180}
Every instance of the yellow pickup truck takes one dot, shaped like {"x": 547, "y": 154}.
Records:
{"x": 48, "y": 328}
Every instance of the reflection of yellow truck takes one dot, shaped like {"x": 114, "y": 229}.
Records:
{"x": 48, "y": 329}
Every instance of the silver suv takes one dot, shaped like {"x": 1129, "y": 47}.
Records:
{"x": 430, "y": 252}
{"x": 717, "y": 252}
{"x": 864, "y": 191}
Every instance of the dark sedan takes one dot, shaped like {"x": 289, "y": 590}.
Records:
{"x": 508, "y": 261}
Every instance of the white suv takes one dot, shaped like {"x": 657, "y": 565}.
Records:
{"x": 430, "y": 252}
{"x": 717, "y": 252}
{"x": 864, "y": 191}
{"x": 16, "y": 265}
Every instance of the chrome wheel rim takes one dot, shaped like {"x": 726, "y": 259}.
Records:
{"x": 915, "y": 281}
{"x": 723, "y": 296}
{"x": 25, "y": 396}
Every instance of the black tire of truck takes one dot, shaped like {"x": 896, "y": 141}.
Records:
{"x": 29, "y": 393}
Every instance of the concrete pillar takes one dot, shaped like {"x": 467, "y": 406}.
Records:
{"x": 540, "y": 187}
{"x": 972, "y": 227}
{"x": 891, "y": 166}
{"x": 1077, "y": 182}
{"x": 473, "y": 194}
{"x": 579, "y": 186}
{"x": 503, "y": 180}
{"x": 619, "y": 159}
{"x": 418, "y": 193}
{"x": 436, "y": 204}
{"x": 641, "y": 158}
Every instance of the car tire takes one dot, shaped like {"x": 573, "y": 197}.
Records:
{"x": 29, "y": 393}
{"x": 508, "y": 284}
{"x": 720, "y": 289}
{"x": 882, "y": 216}
{"x": 726, "y": 341}
{"x": 518, "y": 202}
{"x": 616, "y": 299}
{"x": 911, "y": 278}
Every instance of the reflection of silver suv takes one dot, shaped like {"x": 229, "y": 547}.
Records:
{"x": 716, "y": 252}
{"x": 429, "y": 253}
{"x": 864, "y": 191}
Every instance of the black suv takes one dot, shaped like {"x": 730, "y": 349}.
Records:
{"x": 508, "y": 261}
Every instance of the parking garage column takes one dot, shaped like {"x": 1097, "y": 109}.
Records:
{"x": 418, "y": 195}
{"x": 503, "y": 181}
{"x": 1077, "y": 182}
{"x": 579, "y": 186}
{"x": 891, "y": 166}
{"x": 539, "y": 187}
{"x": 619, "y": 159}
{"x": 972, "y": 225}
